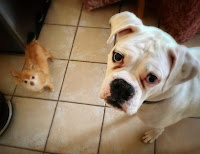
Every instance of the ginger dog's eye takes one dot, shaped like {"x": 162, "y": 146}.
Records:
{"x": 151, "y": 78}
{"x": 117, "y": 57}
{"x": 25, "y": 81}
{"x": 33, "y": 77}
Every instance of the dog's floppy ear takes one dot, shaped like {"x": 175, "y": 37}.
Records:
{"x": 183, "y": 67}
{"x": 15, "y": 74}
{"x": 123, "y": 21}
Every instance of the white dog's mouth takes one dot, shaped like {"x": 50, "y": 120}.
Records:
{"x": 113, "y": 103}
{"x": 126, "y": 107}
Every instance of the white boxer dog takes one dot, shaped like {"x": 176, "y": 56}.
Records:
{"x": 150, "y": 75}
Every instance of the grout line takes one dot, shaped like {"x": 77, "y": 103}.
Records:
{"x": 57, "y": 100}
{"x": 21, "y": 148}
{"x": 109, "y": 106}
{"x": 101, "y": 130}
{"x": 87, "y": 61}
{"x": 53, "y": 24}
{"x": 82, "y": 103}
{"x": 63, "y": 80}
{"x": 22, "y": 55}
{"x": 44, "y": 150}
{"x": 155, "y": 143}
{"x": 61, "y": 59}
{"x": 78, "y": 26}
{"x": 45, "y": 99}
{"x": 81, "y": 61}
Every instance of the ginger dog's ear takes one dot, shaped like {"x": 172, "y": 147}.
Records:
{"x": 184, "y": 67}
{"x": 123, "y": 21}
{"x": 15, "y": 74}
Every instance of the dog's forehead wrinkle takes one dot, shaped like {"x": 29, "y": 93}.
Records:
{"x": 130, "y": 48}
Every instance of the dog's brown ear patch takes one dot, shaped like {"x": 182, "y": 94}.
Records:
{"x": 190, "y": 68}
{"x": 16, "y": 74}
{"x": 183, "y": 67}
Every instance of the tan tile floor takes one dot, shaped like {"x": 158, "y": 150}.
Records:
{"x": 73, "y": 119}
{"x": 57, "y": 39}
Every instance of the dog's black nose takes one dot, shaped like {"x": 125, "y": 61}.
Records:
{"x": 121, "y": 91}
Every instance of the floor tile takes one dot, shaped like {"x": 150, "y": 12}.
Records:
{"x": 30, "y": 123}
{"x": 90, "y": 45}
{"x": 99, "y": 17}
{"x": 10, "y": 150}
{"x": 7, "y": 63}
{"x": 182, "y": 137}
{"x": 76, "y": 129}
{"x": 57, "y": 39}
{"x": 57, "y": 69}
{"x": 150, "y": 17}
{"x": 194, "y": 41}
{"x": 122, "y": 134}
{"x": 65, "y": 12}
{"x": 83, "y": 82}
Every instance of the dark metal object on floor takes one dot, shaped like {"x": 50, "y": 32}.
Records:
{"x": 5, "y": 113}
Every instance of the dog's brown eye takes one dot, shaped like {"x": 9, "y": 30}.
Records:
{"x": 117, "y": 57}
{"x": 25, "y": 81}
{"x": 151, "y": 78}
{"x": 33, "y": 77}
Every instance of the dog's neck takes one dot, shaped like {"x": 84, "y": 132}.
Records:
{"x": 166, "y": 95}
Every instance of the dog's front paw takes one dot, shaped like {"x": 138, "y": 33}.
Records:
{"x": 152, "y": 135}
{"x": 51, "y": 88}
{"x": 148, "y": 137}
{"x": 52, "y": 59}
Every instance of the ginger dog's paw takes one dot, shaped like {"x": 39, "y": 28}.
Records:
{"x": 52, "y": 59}
{"x": 152, "y": 135}
{"x": 51, "y": 88}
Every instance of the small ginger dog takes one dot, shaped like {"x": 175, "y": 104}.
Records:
{"x": 35, "y": 75}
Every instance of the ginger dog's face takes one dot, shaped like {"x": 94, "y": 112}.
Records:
{"x": 36, "y": 75}
{"x": 30, "y": 79}
{"x": 145, "y": 63}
